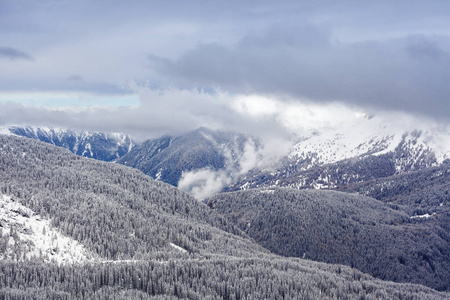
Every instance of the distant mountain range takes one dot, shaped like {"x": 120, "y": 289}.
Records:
{"x": 369, "y": 148}
{"x": 97, "y": 145}
{"x": 365, "y": 149}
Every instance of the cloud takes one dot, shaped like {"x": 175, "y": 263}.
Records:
{"x": 12, "y": 54}
{"x": 263, "y": 154}
{"x": 159, "y": 112}
{"x": 153, "y": 113}
{"x": 385, "y": 54}
{"x": 305, "y": 62}
{"x": 203, "y": 183}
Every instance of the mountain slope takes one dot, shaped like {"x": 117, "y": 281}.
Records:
{"x": 342, "y": 228}
{"x": 25, "y": 235}
{"x": 139, "y": 227}
{"x": 101, "y": 146}
{"x": 416, "y": 145}
{"x": 115, "y": 211}
{"x": 167, "y": 158}
{"x": 368, "y": 149}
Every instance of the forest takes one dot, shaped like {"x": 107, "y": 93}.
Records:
{"x": 378, "y": 238}
{"x": 130, "y": 222}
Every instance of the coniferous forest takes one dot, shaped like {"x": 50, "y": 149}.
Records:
{"x": 145, "y": 239}
{"x": 378, "y": 238}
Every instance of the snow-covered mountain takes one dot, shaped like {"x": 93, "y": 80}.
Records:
{"x": 204, "y": 162}
{"x": 366, "y": 149}
{"x": 101, "y": 146}
{"x": 415, "y": 145}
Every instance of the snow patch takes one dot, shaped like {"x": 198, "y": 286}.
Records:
{"x": 158, "y": 175}
{"x": 269, "y": 191}
{"x": 5, "y": 131}
{"x": 178, "y": 248}
{"x": 88, "y": 147}
{"x": 28, "y": 236}
{"x": 425, "y": 216}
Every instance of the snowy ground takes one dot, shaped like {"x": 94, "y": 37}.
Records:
{"x": 25, "y": 235}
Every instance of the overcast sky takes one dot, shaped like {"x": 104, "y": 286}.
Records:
{"x": 154, "y": 67}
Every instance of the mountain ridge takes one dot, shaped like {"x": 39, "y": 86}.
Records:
{"x": 368, "y": 149}
{"x": 97, "y": 145}
{"x": 205, "y": 161}
{"x": 168, "y": 157}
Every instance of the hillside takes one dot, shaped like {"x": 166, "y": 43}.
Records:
{"x": 334, "y": 227}
{"x": 115, "y": 211}
{"x": 148, "y": 240}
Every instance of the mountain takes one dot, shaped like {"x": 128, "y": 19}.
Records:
{"x": 367, "y": 149}
{"x": 113, "y": 210}
{"x": 168, "y": 157}
{"x": 377, "y": 238}
{"x": 211, "y": 161}
{"x": 414, "y": 146}
{"x": 101, "y": 146}
{"x": 143, "y": 239}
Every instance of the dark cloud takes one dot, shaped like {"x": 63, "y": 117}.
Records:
{"x": 12, "y": 53}
{"x": 407, "y": 73}
{"x": 381, "y": 54}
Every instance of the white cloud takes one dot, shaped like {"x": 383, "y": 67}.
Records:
{"x": 296, "y": 116}
{"x": 204, "y": 183}
{"x": 146, "y": 113}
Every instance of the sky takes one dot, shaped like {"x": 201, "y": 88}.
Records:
{"x": 149, "y": 68}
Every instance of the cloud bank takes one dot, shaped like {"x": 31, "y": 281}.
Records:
{"x": 404, "y": 74}
{"x": 388, "y": 55}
